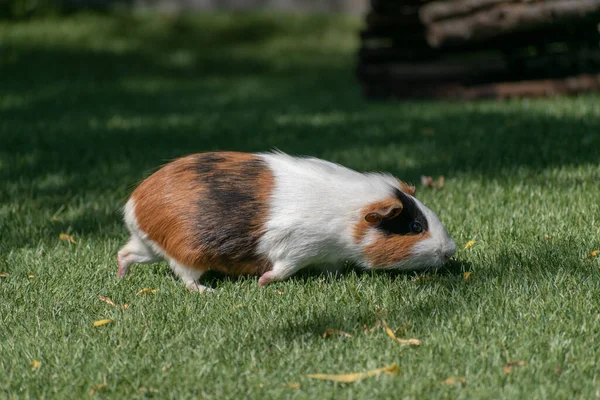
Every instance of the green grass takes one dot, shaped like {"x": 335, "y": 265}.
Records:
{"x": 90, "y": 105}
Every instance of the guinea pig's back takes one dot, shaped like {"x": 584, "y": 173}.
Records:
{"x": 314, "y": 207}
{"x": 208, "y": 210}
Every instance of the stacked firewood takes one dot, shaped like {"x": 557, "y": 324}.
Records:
{"x": 480, "y": 48}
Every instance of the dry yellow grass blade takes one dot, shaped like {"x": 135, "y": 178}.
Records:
{"x": 454, "y": 381}
{"x": 425, "y": 278}
{"x": 349, "y": 378}
{"x": 469, "y": 244}
{"x": 146, "y": 291}
{"x": 509, "y": 365}
{"x": 67, "y": 237}
{"x": 409, "y": 342}
{"x": 3, "y": 274}
{"x": 103, "y": 322}
{"x": 466, "y": 275}
{"x": 97, "y": 387}
{"x": 294, "y": 385}
{"x": 144, "y": 390}
{"x": 594, "y": 253}
{"x": 112, "y": 303}
{"x": 31, "y": 276}
{"x": 330, "y": 332}
{"x": 404, "y": 342}
{"x": 35, "y": 364}
{"x": 388, "y": 330}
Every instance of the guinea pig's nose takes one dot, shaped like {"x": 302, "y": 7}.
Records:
{"x": 452, "y": 248}
{"x": 449, "y": 251}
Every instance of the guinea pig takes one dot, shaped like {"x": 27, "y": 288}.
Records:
{"x": 272, "y": 214}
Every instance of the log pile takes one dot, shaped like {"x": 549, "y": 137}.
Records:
{"x": 480, "y": 48}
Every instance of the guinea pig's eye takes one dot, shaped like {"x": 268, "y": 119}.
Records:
{"x": 416, "y": 227}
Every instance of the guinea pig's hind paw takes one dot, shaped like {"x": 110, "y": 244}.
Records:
{"x": 122, "y": 271}
{"x": 196, "y": 287}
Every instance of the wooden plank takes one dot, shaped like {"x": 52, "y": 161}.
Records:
{"x": 440, "y": 10}
{"x": 477, "y": 67}
{"x": 377, "y": 55}
{"x": 584, "y": 31}
{"x": 412, "y": 37}
{"x": 508, "y": 18}
{"x": 502, "y": 90}
{"x": 546, "y": 43}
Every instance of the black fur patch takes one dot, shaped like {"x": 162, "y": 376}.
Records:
{"x": 206, "y": 162}
{"x": 400, "y": 225}
{"x": 231, "y": 213}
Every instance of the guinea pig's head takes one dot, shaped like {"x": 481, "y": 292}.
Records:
{"x": 400, "y": 232}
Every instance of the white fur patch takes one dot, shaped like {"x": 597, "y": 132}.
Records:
{"x": 136, "y": 232}
{"x": 315, "y": 206}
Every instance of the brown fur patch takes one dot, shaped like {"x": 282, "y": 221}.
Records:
{"x": 388, "y": 250}
{"x": 393, "y": 239}
{"x": 208, "y": 210}
{"x": 406, "y": 188}
{"x": 361, "y": 227}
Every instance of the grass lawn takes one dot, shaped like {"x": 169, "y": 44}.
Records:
{"x": 89, "y": 105}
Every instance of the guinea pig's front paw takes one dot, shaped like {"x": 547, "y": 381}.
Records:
{"x": 266, "y": 278}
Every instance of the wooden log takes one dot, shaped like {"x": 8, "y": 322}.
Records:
{"x": 463, "y": 70}
{"x": 398, "y": 48}
{"x": 501, "y": 90}
{"x": 407, "y": 90}
{"x": 414, "y": 37}
{"x": 440, "y": 10}
{"x": 508, "y": 18}
{"x": 376, "y": 55}
{"x": 535, "y": 88}
{"x": 535, "y": 48}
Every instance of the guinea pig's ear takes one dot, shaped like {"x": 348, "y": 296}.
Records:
{"x": 375, "y": 217}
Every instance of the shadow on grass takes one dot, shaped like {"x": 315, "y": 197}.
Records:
{"x": 214, "y": 279}
{"x": 365, "y": 316}
{"x": 451, "y": 269}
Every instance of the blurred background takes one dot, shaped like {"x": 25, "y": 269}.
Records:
{"x": 417, "y": 48}
{"x": 21, "y": 8}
